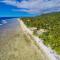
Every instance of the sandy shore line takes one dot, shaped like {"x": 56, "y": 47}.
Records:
{"x": 47, "y": 51}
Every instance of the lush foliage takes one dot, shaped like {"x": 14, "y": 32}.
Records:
{"x": 51, "y": 22}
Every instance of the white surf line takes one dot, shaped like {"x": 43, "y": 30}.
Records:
{"x": 50, "y": 54}
{"x": 4, "y": 21}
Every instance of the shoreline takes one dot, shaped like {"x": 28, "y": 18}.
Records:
{"x": 47, "y": 50}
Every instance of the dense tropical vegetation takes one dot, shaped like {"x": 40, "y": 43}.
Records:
{"x": 50, "y": 22}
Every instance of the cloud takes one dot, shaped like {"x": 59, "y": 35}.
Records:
{"x": 34, "y": 6}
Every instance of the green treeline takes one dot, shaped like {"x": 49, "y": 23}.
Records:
{"x": 50, "y": 22}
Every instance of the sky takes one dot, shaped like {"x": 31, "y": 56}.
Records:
{"x": 17, "y": 8}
